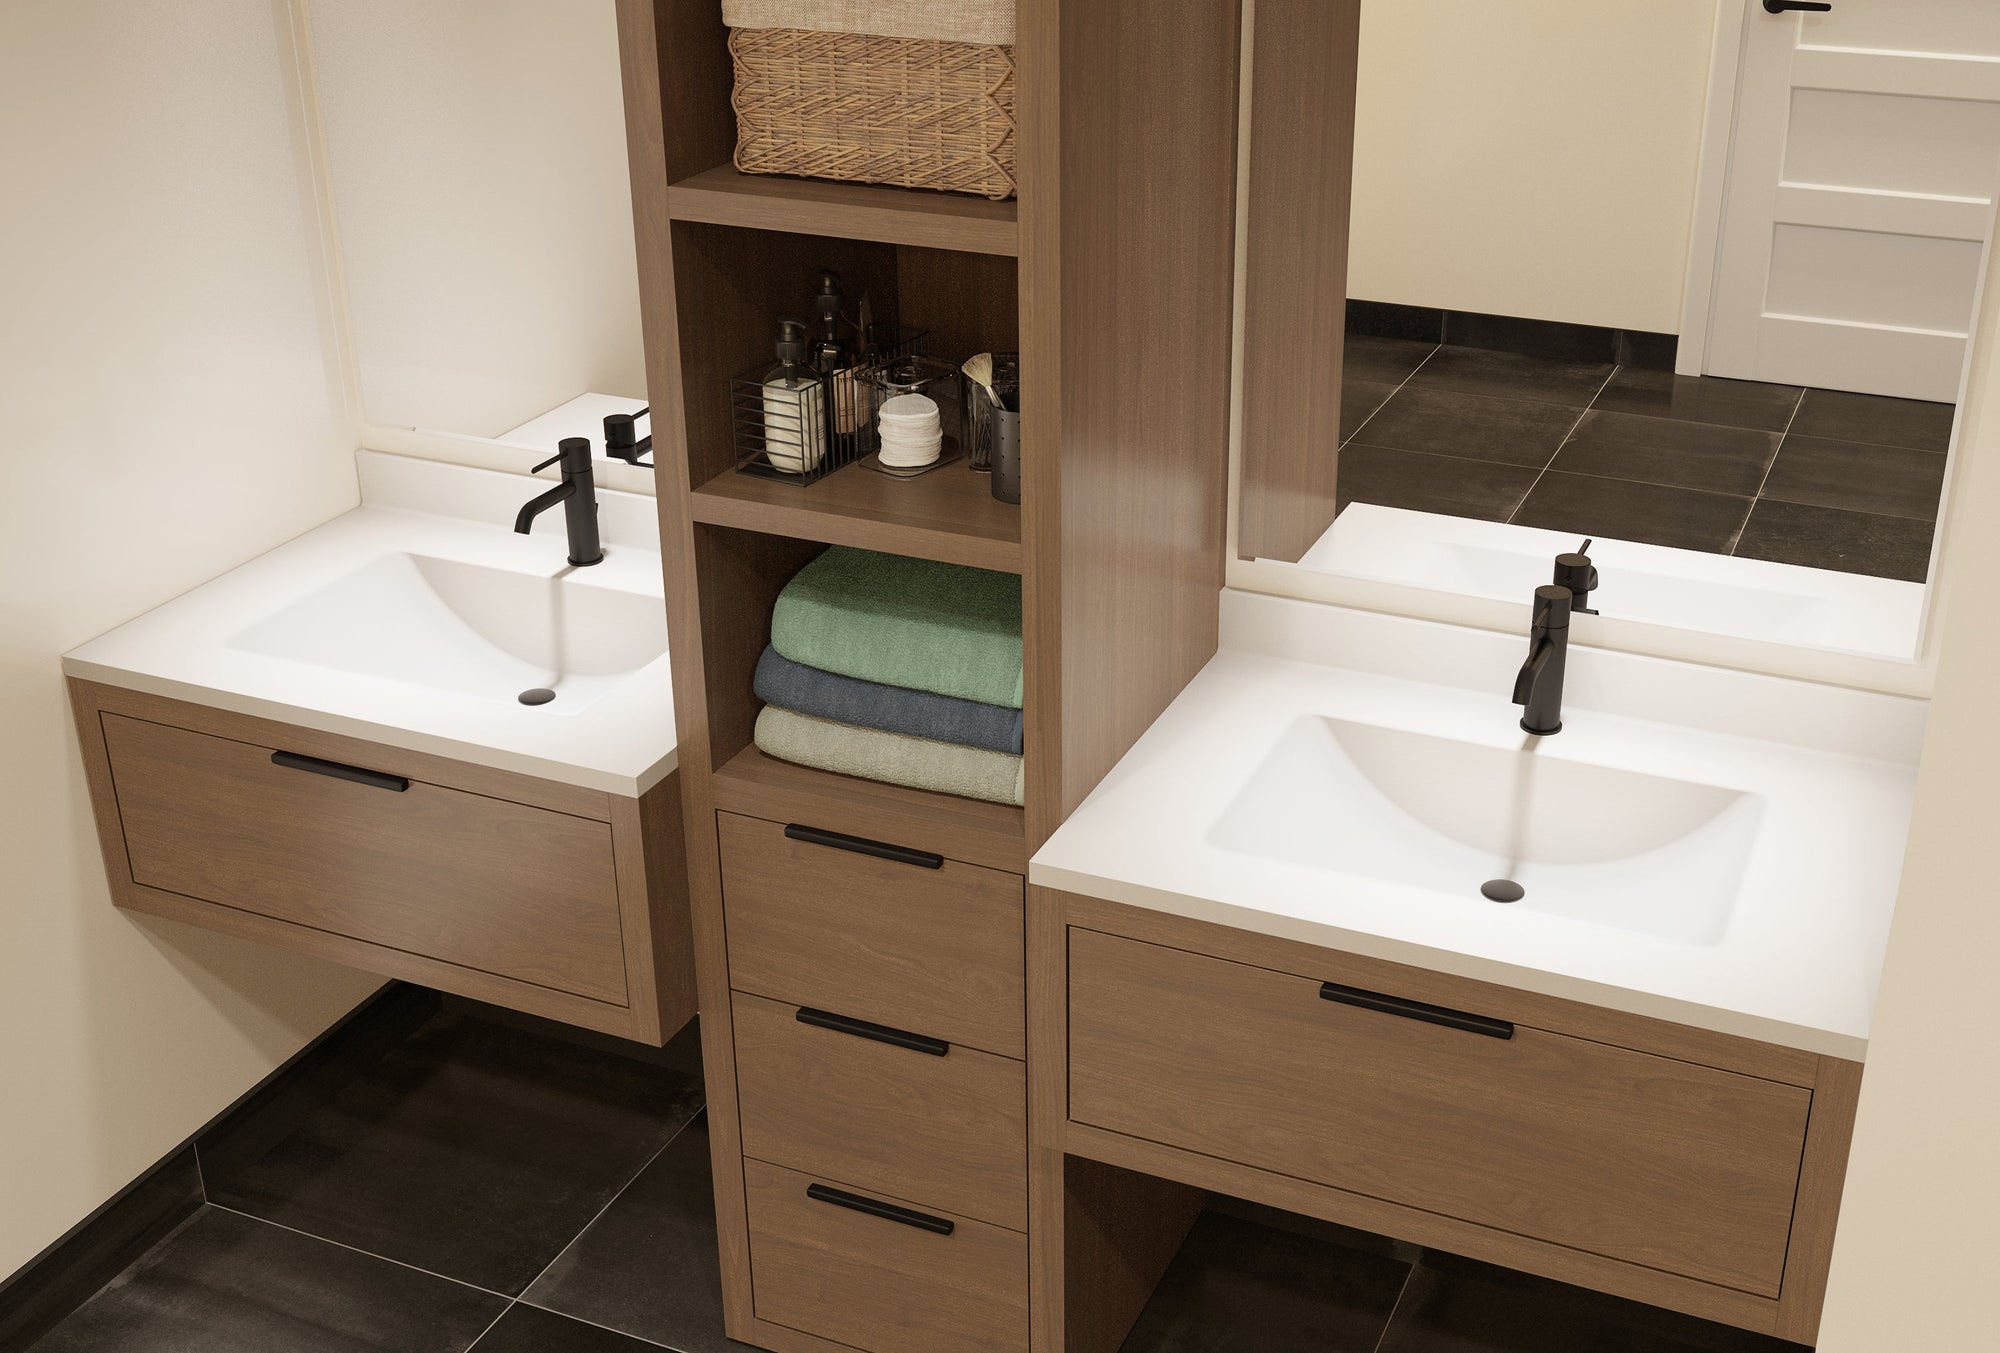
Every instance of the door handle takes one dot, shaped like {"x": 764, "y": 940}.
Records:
{"x": 340, "y": 770}
{"x": 875, "y": 1207}
{"x": 1408, "y": 1009}
{"x": 880, "y": 1033}
{"x": 861, "y": 845}
{"x": 1780, "y": 6}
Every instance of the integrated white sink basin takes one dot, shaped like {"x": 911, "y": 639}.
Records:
{"x": 419, "y": 618}
{"x": 1612, "y": 847}
{"x": 481, "y": 632}
{"x": 1712, "y": 848}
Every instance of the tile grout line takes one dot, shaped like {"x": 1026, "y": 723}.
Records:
{"x": 474, "y": 1345}
{"x": 608, "y": 1329}
{"x": 1389, "y": 1325}
{"x": 1758, "y": 497}
{"x": 623, "y": 1189}
{"x": 1565, "y": 441}
{"x": 356, "y": 1249}
{"x": 1391, "y": 395}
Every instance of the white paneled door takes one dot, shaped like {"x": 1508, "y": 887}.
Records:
{"x": 1862, "y": 173}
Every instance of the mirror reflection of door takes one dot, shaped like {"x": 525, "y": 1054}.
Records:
{"x": 1859, "y": 196}
{"x": 1513, "y": 238}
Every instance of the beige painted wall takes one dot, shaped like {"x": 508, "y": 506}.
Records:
{"x": 165, "y": 412}
{"x": 477, "y": 153}
{"x": 1532, "y": 158}
{"x": 1913, "y": 1265}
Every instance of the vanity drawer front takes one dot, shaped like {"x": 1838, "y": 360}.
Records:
{"x": 1619, "y": 1153}
{"x": 880, "y": 1284}
{"x": 937, "y": 951}
{"x": 948, "y": 1130}
{"x": 481, "y": 882}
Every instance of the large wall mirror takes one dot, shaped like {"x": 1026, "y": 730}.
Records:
{"x": 475, "y": 151}
{"x": 1690, "y": 280}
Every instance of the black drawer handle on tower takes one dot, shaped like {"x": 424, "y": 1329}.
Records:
{"x": 340, "y": 770}
{"x": 861, "y": 845}
{"x": 923, "y": 1221}
{"x": 1429, "y": 1014}
{"x": 881, "y": 1033}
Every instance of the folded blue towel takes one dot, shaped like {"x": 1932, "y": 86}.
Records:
{"x": 892, "y": 709}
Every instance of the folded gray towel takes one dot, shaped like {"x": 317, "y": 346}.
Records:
{"x": 892, "y": 709}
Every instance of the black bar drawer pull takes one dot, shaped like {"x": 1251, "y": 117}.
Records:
{"x": 340, "y": 770}
{"x": 923, "y": 1221}
{"x": 881, "y": 1033}
{"x": 1429, "y": 1014}
{"x": 861, "y": 845}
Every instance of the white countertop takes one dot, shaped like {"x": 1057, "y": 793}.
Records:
{"x": 1799, "y": 957}
{"x": 619, "y": 737}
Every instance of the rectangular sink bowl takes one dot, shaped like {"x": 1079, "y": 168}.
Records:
{"x": 484, "y": 633}
{"x": 1441, "y": 817}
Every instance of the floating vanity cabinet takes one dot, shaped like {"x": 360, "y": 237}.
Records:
{"x": 1677, "y": 1166}
{"x": 545, "y": 897}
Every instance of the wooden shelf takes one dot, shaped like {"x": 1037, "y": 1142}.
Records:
{"x": 855, "y": 211}
{"x": 990, "y": 834}
{"x": 949, "y": 514}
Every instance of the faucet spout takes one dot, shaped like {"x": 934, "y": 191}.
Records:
{"x": 1539, "y": 687}
{"x": 578, "y": 495}
{"x": 541, "y": 503}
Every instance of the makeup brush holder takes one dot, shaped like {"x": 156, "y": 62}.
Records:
{"x": 980, "y": 409}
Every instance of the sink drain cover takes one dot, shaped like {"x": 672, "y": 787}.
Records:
{"x": 1494, "y": 890}
{"x": 538, "y": 695}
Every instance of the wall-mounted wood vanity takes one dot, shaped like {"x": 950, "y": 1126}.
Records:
{"x": 545, "y": 897}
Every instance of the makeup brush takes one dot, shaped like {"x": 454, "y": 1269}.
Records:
{"x": 979, "y": 370}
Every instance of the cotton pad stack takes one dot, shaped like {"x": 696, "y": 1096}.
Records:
{"x": 896, "y": 669}
{"x": 911, "y": 431}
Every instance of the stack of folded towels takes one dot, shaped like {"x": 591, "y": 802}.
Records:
{"x": 901, "y": 670}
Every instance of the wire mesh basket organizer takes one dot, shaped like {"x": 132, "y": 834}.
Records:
{"x": 803, "y": 429}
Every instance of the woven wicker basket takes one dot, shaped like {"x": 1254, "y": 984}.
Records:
{"x": 917, "y": 112}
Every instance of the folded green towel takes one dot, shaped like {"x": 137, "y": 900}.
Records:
{"x": 896, "y": 758}
{"x": 905, "y": 622}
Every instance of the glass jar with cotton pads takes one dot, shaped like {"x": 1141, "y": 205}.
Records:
{"x": 919, "y": 416}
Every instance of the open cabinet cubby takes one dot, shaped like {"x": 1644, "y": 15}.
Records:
{"x": 703, "y": 185}
{"x": 733, "y": 284}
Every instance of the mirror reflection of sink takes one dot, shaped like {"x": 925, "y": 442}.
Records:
{"x": 1613, "y": 847}
{"x": 485, "y": 633}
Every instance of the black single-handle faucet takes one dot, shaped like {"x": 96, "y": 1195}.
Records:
{"x": 578, "y": 495}
{"x": 1539, "y": 688}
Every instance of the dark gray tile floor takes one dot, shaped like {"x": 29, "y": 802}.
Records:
{"x": 593, "y": 1166}
{"x": 1820, "y": 478}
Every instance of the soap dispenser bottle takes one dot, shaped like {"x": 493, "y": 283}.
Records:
{"x": 833, "y": 358}
{"x": 794, "y": 406}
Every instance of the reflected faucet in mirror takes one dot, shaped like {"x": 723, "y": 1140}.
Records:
{"x": 1575, "y": 571}
{"x": 578, "y": 495}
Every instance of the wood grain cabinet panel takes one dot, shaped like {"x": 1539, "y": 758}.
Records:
{"x": 484, "y": 883}
{"x": 1624, "y": 1154}
{"x": 878, "y": 1284}
{"x": 948, "y": 1131}
{"x": 934, "y": 951}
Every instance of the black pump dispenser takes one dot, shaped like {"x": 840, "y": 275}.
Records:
{"x": 830, "y": 353}
{"x": 791, "y": 342}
